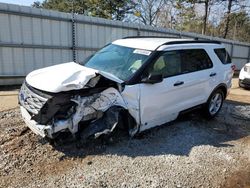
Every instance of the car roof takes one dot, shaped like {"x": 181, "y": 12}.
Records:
{"x": 152, "y": 43}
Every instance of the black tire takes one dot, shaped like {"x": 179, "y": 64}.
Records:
{"x": 216, "y": 99}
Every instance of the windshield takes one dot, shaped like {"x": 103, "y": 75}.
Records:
{"x": 119, "y": 61}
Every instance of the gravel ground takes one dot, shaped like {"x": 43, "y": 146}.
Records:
{"x": 189, "y": 152}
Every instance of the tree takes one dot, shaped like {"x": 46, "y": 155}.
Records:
{"x": 238, "y": 26}
{"x": 77, "y": 6}
{"x": 148, "y": 11}
{"x": 37, "y": 4}
{"x": 186, "y": 18}
{"x": 110, "y": 9}
{"x": 206, "y": 2}
{"x": 225, "y": 18}
{"x": 233, "y": 6}
{"x": 229, "y": 7}
{"x": 168, "y": 15}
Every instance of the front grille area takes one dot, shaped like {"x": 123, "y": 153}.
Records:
{"x": 246, "y": 81}
{"x": 30, "y": 100}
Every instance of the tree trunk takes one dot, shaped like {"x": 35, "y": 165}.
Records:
{"x": 205, "y": 18}
{"x": 227, "y": 18}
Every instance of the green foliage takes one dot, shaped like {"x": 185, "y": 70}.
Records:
{"x": 186, "y": 17}
{"x": 110, "y": 9}
{"x": 239, "y": 26}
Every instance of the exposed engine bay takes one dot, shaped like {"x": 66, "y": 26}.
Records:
{"x": 96, "y": 108}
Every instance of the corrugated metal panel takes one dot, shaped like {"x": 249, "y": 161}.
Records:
{"x": 34, "y": 38}
{"x": 239, "y": 62}
{"x": 240, "y": 51}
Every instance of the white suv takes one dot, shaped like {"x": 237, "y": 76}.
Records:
{"x": 135, "y": 83}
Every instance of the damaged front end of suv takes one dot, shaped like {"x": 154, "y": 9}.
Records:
{"x": 96, "y": 107}
{"x": 71, "y": 97}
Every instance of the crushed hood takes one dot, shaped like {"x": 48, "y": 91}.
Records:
{"x": 65, "y": 77}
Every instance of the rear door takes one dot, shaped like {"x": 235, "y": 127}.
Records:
{"x": 186, "y": 75}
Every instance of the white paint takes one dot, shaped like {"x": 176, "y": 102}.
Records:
{"x": 106, "y": 99}
{"x": 131, "y": 97}
{"x": 144, "y": 43}
{"x": 162, "y": 102}
{"x": 33, "y": 125}
{"x": 149, "y": 104}
{"x": 109, "y": 97}
{"x": 243, "y": 74}
{"x": 62, "y": 77}
{"x": 65, "y": 77}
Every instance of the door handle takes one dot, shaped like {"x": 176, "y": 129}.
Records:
{"x": 178, "y": 83}
{"x": 212, "y": 74}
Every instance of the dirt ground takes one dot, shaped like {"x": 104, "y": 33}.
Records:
{"x": 238, "y": 94}
{"x": 8, "y": 99}
{"x": 189, "y": 152}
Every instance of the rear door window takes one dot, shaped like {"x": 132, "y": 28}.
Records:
{"x": 195, "y": 60}
{"x": 178, "y": 62}
{"x": 223, "y": 55}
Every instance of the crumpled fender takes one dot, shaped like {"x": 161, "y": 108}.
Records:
{"x": 89, "y": 107}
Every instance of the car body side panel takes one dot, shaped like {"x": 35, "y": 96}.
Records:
{"x": 224, "y": 73}
{"x": 162, "y": 102}
{"x": 131, "y": 96}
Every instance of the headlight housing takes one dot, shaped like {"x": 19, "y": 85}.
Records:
{"x": 245, "y": 68}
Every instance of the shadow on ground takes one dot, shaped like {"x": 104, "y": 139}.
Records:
{"x": 175, "y": 138}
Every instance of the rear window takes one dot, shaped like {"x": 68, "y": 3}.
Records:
{"x": 223, "y": 55}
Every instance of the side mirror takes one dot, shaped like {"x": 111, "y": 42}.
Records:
{"x": 152, "y": 79}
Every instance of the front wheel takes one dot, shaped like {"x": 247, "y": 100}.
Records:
{"x": 214, "y": 104}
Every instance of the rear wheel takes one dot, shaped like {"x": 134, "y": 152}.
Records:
{"x": 214, "y": 103}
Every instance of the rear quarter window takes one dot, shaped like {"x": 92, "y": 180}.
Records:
{"x": 223, "y": 55}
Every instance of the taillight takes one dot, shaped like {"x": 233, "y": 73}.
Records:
{"x": 233, "y": 67}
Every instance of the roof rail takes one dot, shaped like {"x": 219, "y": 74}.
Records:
{"x": 192, "y": 41}
{"x": 131, "y": 37}
{"x": 195, "y": 40}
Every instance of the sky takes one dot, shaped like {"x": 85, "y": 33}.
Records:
{"x": 18, "y": 2}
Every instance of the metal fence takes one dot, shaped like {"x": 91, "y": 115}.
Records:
{"x": 33, "y": 38}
